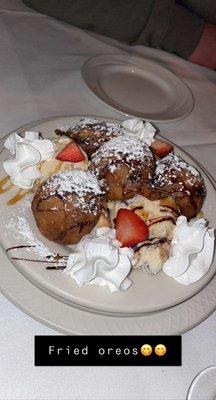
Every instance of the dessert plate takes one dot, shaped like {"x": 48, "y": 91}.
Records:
{"x": 153, "y": 304}
{"x": 138, "y": 87}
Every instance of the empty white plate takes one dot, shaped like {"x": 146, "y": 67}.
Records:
{"x": 138, "y": 87}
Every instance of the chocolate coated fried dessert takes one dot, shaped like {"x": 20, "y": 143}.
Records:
{"x": 68, "y": 205}
{"x": 90, "y": 135}
{"x": 176, "y": 178}
{"x": 126, "y": 164}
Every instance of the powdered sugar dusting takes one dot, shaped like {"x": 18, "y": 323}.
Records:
{"x": 28, "y": 235}
{"x": 76, "y": 181}
{"x": 110, "y": 128}
{"x": 23, "y": 229}
{"x": 80, "y": 188}
{"x": 131, "y": 148}
{"x": 169, "y": 168}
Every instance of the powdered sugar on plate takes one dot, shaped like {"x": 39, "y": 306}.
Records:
{"x": 23, "y": 230}
{"x": 26, "y": 241}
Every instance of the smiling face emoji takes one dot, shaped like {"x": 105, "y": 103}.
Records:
{"x": 160, "y": 350}
{"x": 146, "y": 350}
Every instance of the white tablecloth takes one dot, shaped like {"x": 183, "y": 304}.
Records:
{"x": 40, "y": 61}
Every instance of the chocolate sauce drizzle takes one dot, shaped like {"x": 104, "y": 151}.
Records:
{"x": 50, "y": 259}
{"x": 150, "y": 242}
{"x": 162, "y": 219}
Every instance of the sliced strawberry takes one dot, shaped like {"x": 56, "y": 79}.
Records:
{"x": 130, "y": 228}
{"x": 71, "y": 153}
{"x": 161, "y": 148}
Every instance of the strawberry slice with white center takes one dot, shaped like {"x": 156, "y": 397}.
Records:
{"x": 71, "y": 153}
{"x": 161, "y": 148}
{"x": 130, "y": 228}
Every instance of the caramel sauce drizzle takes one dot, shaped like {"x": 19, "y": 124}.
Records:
{"x": 18, "y": 196}
{"x": 3, "y": 182}
{"x": 5, "y": 186}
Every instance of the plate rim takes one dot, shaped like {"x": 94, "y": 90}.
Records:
{"x": 190, "y": 97}
{"x": 142, "y": 322}
{"x": 200, "y": 374}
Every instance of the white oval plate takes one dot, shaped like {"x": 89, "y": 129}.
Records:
{"x": 138, "y": 87}
{"x": 54, "y": 298}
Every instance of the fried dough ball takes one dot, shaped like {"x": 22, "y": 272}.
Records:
{"x": 67, "y": 206}
{"x": 91, "y": 135}
{"x": 125, "y": 164}
{"x": 180, "y": 180}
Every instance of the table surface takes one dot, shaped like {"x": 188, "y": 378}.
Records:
{"x": 40, "y": 77}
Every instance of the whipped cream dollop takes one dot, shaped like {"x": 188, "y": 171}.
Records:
{"x": 25, "y": 155}
{"x": 192, "y": 249}
{"x": 98, "y": 259}
{"x": 141, "y": 130}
